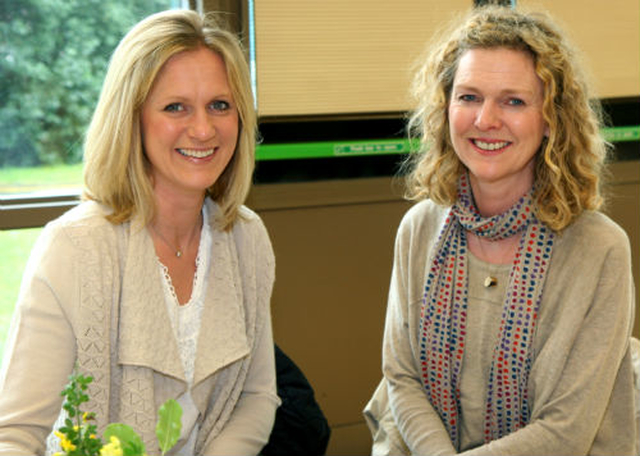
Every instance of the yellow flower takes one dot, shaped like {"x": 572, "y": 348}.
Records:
{"x": 67, "y": 445}
{"x": 112, "y": 449}
{"x": 64, "y": 442}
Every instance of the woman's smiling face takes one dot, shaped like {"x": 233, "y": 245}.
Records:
{"x": 189, "y": 123}
{"x": 495, "y": 118}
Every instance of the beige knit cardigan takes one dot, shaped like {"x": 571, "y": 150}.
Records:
{"x": 92, "y": 296}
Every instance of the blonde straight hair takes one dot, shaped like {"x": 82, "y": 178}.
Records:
{"x": 116, "y": 171}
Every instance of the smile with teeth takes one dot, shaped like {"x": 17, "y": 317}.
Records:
{"x": 490, "y": 145}
{"x": 196, "y": 153}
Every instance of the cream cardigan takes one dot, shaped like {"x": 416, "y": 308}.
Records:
{"x": 581, "y": 381}
{"x": 92, "y": 295}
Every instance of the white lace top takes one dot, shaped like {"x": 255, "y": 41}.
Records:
{"x": 185, "y": 321}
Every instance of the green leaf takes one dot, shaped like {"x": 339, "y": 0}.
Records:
{"x": 169, "y": 425}
{"x": 130, "y": 441}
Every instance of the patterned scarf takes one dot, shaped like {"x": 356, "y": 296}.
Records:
{"x": 444, "y": 312}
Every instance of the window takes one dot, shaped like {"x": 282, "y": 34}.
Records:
{"x": 15, "y": 245}
{"x": 53, "y": 57}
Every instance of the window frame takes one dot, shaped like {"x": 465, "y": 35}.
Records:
{"x": 31, "y": 211}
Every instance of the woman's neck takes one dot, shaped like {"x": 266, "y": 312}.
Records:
{"x": 178, "y": 217}
{"x": 497, "y": 252}
{"x": 495, "y": 198}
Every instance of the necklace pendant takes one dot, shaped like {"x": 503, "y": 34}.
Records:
{"x": 178, "y": 253}
{"x": 490, "y": 282}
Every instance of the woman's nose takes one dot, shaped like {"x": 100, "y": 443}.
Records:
{"x": 202, "y": 126}
{"x": 488, "y": 117}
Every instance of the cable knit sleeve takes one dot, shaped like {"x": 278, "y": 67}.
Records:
{"x": 40, "y": 351}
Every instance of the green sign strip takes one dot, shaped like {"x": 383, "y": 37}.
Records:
{"x": 332, "y": 149}
{"x": 621, "y": 134}
{"x": 384, "y": 146}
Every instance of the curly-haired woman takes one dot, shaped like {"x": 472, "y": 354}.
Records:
{"x": 511, "y": 300}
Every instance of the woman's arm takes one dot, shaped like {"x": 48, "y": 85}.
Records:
{"x": 250, "y": 424}
{"x": 40, "y": 350}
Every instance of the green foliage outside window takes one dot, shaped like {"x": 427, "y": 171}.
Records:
{"x": 53, "y": 57}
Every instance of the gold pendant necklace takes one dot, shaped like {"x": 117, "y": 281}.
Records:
{"x": 177, "y": 251}
{"x": 490, "y": 282}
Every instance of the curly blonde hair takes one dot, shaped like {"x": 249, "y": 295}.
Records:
{"x": 116, "y": 168}
{"x": 570, "y": 161}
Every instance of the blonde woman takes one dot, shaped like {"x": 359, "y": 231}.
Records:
{"x": 158, "y": 284}
{"x": 511, "y": 299}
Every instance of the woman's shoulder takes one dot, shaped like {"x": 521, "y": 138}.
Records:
{"x": 591, "y": 241}
{"x": 87, "y": 220}
{"x": 247, "y": 229}
{"x": 246, "y": 221}
{"x": 252, "y": 245}
{"x": 250, "y": 227}
{"x": 424, "y": 215}
{"x": 83, "y": 214}
{"x": 248, "y": 217}
{"x": 596, "y": 231}
{"x": 81, "y": 236}
{"x": 426, "y": 207}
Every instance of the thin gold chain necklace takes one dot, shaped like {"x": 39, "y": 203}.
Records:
{"x": 178, "y": 251}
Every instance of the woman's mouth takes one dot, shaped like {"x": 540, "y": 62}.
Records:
{"x": 196, "y": 153}
{"x": 490, "y": 146}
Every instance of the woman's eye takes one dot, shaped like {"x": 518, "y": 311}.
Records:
{"x": 174, "y": 107}
{"x": 515, "y": 102}
{"x": 219, "y": 105}
{"x": 467, "y": 97}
